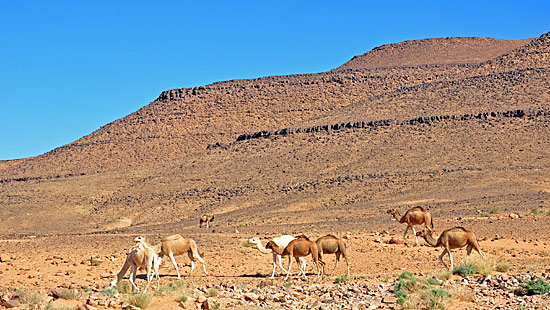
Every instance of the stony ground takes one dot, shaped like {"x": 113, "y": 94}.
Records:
{"x": 239, "y": 274}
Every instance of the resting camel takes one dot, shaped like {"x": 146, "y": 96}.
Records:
{"x": 280, "y": 242}
{"x": 330, "y": 244}
{"x": 140, "y": 255}
{"x": 299, "y": 247}
{"x": 177, "y": 245}
{"x": 454, "y": 238}
{"x": 414, "y": 216}
{"x": 206, "y": 219}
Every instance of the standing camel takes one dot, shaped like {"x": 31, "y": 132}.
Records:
{"x": 454, "y": 238}
{"x": 330, "y": 244}
{"x": 177, "y": 245}
{"x": 206, "y": 219}
{"x": 280, "y": 242}
{"x": 414, "y": 216}
{"x": 140, "y": 255}
{"x": 297, "y": 248}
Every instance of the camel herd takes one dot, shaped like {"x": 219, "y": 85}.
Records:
{"x": 143, "y": 255}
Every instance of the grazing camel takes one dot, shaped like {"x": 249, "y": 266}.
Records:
{"x": 177, "y": 245}
{"x": 330, "y": 244}
{"x": 206, "y": 219}
{"x": 280, "y": 242}
{"x": 454, "y": 238}
{"x": 140, "y": 255}
{"x": 299, "y": 247}
{"x": 414, "y": 216}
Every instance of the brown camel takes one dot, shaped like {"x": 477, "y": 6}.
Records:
{"x": 454, "y": 238}
{"x": 297, "y": 248}
{"x": 414, "y": 216}
{"x": 330, "y": 244}
{"x": 206, "y": 219}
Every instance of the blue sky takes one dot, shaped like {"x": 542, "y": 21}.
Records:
{"x": 69, "y": 67}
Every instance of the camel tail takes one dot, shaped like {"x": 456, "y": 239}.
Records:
{"x": 432, "y": 222}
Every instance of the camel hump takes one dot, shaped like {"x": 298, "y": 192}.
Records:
{"x": 172, "y": 237}
{"x": 302, "y": 236}
{"x": 419, "y": 208}
{"x": 461, "y": 228}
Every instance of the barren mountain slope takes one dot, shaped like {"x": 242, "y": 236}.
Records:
{"x": 455, "y": 166}
{"x": 433, "y": 52}
{"x": 184, "y": 121}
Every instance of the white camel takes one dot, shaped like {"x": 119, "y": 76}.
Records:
{"x": 177, "y": 245}
{"x": 281, "y": 242}
{"x": 141, "y": 255}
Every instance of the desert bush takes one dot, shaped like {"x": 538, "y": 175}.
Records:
{"x": 287, "y": 285}
{"x": 123, "y": 287}
{"x": 212, "y": 292}
{"x": 183, "y": 298}
{"x": 536, "y": 287}
{"x": 502, "y": 267}
{"x": 33, "y": 300}
{"x": 110, "y": 291}
{"x": 463, "y": 293}
{"x": 69, "y": 294}
{"x": 341, "y": 279}
{"x": 482, "y": 265}
{"x": 140, "y": 300}
{"x": 435, "y": 298}
{"x": 464, "y": 270}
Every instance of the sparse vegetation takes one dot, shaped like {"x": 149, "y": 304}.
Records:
{"x": 536, "y": 287}
{"x": 412, "y": 292}
{"x": 109, "y": 291}
{"x": 494, "y": 211}
{"x": 534, "y": 212}
{"x": 140, "y": 300}
{"x": 248, "y": 244}
{"x": 183, "y": 298}
{"x": 123, "y": 287}
{"x": 482, "y": 265}
{"x": 33, "y": 300}
{"x": 212, "y": 292}
{"x": 502, "y": 267}
{"x": 69, "y": 294}
{"x": 442, "y": 275}
{"x": 464, "y": 270}
{"x": 95, "y": 262}
{"x": 287, "y": 284}
{"x": 341, "y": 279}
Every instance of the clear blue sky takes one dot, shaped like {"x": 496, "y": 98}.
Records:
{"x": 69, "y": 67}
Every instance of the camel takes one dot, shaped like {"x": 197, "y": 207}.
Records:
{"x": 206, "y": 219}
{"x": 414, "y": 216}
{"x": 454, "y": 238}
{"x": 177, "y": 245}
{"x": 330, "y": 244}
{"x": 280, "y": 242}
{"x": 140, "y": 255}
{"x": 299, "y": 247}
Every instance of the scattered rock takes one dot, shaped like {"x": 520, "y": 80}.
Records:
{"x": 513, "y": 216}
{"x": 11, "y": 303}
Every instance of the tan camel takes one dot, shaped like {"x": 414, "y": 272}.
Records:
{"x": 330, "y": 244}
{"x": 414, "y": 216}
{"x": 177, "y": 245}
{"x": 454, "y": 238}
{"x": 140, "y": 255}
{"x": 299, "y": 247}
{"x": 206, "y": 219}
{"x": 281, "y": 242}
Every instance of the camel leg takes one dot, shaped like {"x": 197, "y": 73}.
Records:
{"x": 415, "y": 236}
{"x": 195, "y": 255}
{"x": 278, "y": 257}
{"x": 451, "y": 258}
{"x": 335, "y": 265}
{"x": 122, "y": 272}
{"x": 132, "y": 278}
{"x": 207, "y": 226}
{"x": 171, "y": 255}
{"x": 192, "y": 262}
{"x": 303, "y": 263}
{"x": 303, "y": 272}
{"x": 148, "y": 269}
{"x": 405, "y": 234}
{"x": 289, "y": 266}
{"x": 441, "y": 258}
{"x": 275, "y": 259}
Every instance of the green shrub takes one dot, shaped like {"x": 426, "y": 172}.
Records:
{"x": 110, "y": 291}
{"x": 33, "y": 300}
{"x": 464, "y": 270}
{"x": 341, "y": 279}
{"x": 536, "y": 287}
{"x": 442, "y": 275}
{"x": 287, "y": 285}
{"x": 502, "y": 267}
{"x": 140, "y": 300}
{"x": 69, "y": 294}
{"x": 482, "y": 265}
{"x": 123, "y": 287}
{"x": 183, "y": 299}
{"x": 435, "y": 298}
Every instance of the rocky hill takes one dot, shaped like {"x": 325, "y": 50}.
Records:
{"x": 184, "y": 121}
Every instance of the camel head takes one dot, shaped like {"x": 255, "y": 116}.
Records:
{"x": 139, "y": 239}
{"x": 253, "y": 240}
{"x": 424, "y": 233}
{"x": 392, "y": 211}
